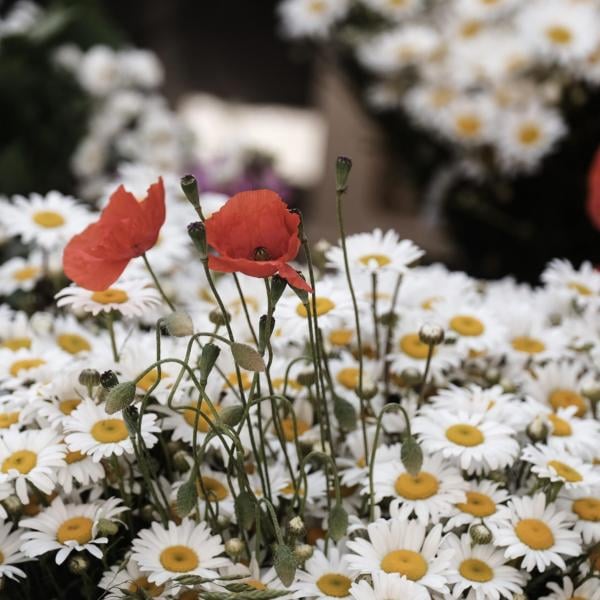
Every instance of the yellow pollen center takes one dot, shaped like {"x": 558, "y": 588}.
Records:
{"x": 381, "y": 259}
{"x": 73, "y": 343}
{"x": 150, "y": 378}
{"x": 288, "y": 428}
{"x": 535, "y": 534}
{"x": 587, "y": 509}
{"x": 560, "y": 35}
{"x": 468, "y": 125}
{"x": 76, "y": 529}
{"x": 348, "y": 377}
{"x": 16, "y": 343}
{"x": 150, "y": 589}
{"x": 470, "y": 29}
{"x": 21, "y": 460}
{"x": 335, "y": 585}
{"x": 411, "y": 344}
{"x": 48, "y": 219}
{"x": 560, "y": 427}
{"x": 279, "y": 382}
{"x": 428, "y": 303}
{"x": 245, "y": 379}
{"x": 179, "y": 559}
{"x": 189, "y": 415}
{"x": 584, "y": 290}
{"x": 476, "y": 570}
{"x": 529, "y": 345}
{"x": 109, "y": 431}
{"x": 565, "y": 471}
{"x": 66, "y": 407}
{"x": 74, "y": 457}
{"x": 341, "y": 337}
{"x": 256, "y": 584}
{"x": 324, "y": 305}
{"x": 405, "y": 562}
{"x": 8, "y": 419}
{"x": 25, "y": 365}
{"x": 317, "y": 6}
{"x": 467, "y": 325}
{"x": 478, "y": 505}
{"x": 529, "y": 134}
{"x": 563, "y": 398}
{"x": 110, "y": 296}
{"x": 215, "y": 490}
{"x": 416, "y": 487}
{"x": 463, "y": 434}
{"x": 25, "y": 273}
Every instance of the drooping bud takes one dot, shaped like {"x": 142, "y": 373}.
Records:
{"x": 278, "y": 285}
{"x": 223, "y": 522}
{"x": 216, "y": 317}
{"x": 106, "y": 527}
{"x": 13, "y": 505}
{"x": 369, "y": 389}
{"x": 89, "y": 378}
{"x": 343, "y": 166}
{"x": 302, "y": 552}
{"x": 431, "y": 334}
{"x": 338, "y": 522}
{"x": 411, "y": 455}
{"x": 265, "y": 331}
{"x": 232, "y": 415}
{"x": 538, "y": 430}
{"x": 234, "y": 548}
{"x": 189, "y": 186}
{"x": 306, "y": 378}
{"x": 197, "y": 233}
{"x": 296, "y": 527}
{"x": 208, "y": 358}
{"x": 181, "y": 461}
{"x": 108, "y": 380}
{"x": 119, "y": 397}
{"x": 480, "y": 534}
{"x": 179, "y": 324}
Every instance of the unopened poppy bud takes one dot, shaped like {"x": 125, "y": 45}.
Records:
{"x": 431, "y": 334}
{"x": 197, "y": 233}
{"x": 266, "y": 326}
{"x": 411, "y": 455}
{"x": 278, "y": 285}
{"x": 232, "y": 415}
{"x": 181, "y": 461}
{"x": 119, "y": 397}
{"x": 296, "y": 527}
{"x": 411, "y": 376}
{"x": 12, "y": 504}
{"x": 343, "y": 166}
{"x": 108, "y": 380}
{"x": 338, "y": 522}
{"x": 480, "y": 534}
{"x": 216, "y": 317}
{"x": 538, "y": 430}
{"x": 303, "y": 552}
{"x": 189, "y": 186}
{"x": 234, "y": 548}
{"x": 179, "y": 324}
{"x": 106, "y": 527}
{"x": 306, "y": 378}
{"x": 90, "y": 378}
{"x": 78, "y": 564}
{"x": 208, "y": 358}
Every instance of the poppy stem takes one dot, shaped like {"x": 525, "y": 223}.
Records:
{"x": 157, "y": 283}
{"x": 111, "y": 332}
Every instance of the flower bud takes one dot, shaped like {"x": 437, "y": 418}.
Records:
{"x": 480, "y": 534}
{"x": 303, "y": 552}
{"x": 306, "y": 378}
{"x": 234, "y": 548}
{"x": 411, "y": 455}
{"x": 208, "y": 358}
{"x": 12, "y": 504}
{"x": 338, "y": 522}
{"x": 492, "y": 375}
{"x": 147, "y": 512}
{"x": 78, "y": 564}
{"x": 189, "y": 186}
{"x": 197, "y": 233}
{"x": 508, "y": 386}
{"x": 343, "y": 166}
{"x": 181, "y": 461}
{"x": 538, "y": 430}
{"x": 106, "y": 527}
{"x": 369, "y": 389}
{"x": 591, "y": 392}
{"x": 278, "y": 285}
{"x": 232, "y": 415}
{"x": 296, "y": 526}
{"x": 90, "y": 378}
{"x": 179, "y": 324}
{"x": 108, "y": 379}
{"x": 216, "y": 317}
{"x": 223, "y": 522}
{"x": 119, "y": 397}
{"x": 411, "y": 376}
{"x": 431, "y": 334}
{"x": 266, "y": 326}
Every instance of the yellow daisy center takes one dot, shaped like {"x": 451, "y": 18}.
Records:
{"x": 470, "y": 28}
{"x": 348, "y": 377}
{"x": 563, "y": 398}
{"x": 478, "y": 505}
{"x": 189, "y": 415}
{"x": 529, "y": 134}
{"x": 341, "y": 337}
{"x": 560, "y": 427}
{"x": 179, "y": 559}
{"x": 150, "y": 589}
{"x": 465, "y": 435}
{"x": 335, "y": 585}
{"x": 428, "y": 303}
{"x": 150, "y": 378}
{"x": 565, "y": 471}
{"x": 467, "y": 325}
{"x": 441, "y": 97}
{"x": 16, "y": 343}
{"x": 21, "y": 460}
{"x": 405, "y": 562}
{"x": 110, "y": 296}
{"x": 529, "y": 345}
{"x": 48, "y": 219}
{"x": 560, "y": 35}
{"x": 317, "y": 6}
{"x": 8, "y": 419}
{"x": 288, "y": 428}
{"x": 215, "y": 490}
{"x": 109, "y": 431}
{"x": 411, "y": 344}
{"x": 77, "y": 529}
{"x": 73, "y": 343}
{"x": 584, "y": 290}
{"x": 381, "y": 259}
{"x": 25, "y": 273}
{"x": 74, "y": 457}
{"x": 587, "y": 509}
{"x": 468, "y": 125}
{"x": 416, "y": 487}
{"x": 245, "y": 379}
{"x": 535, "y": 534}
{"x": 476, "y": 570}
{"x": 324, "y": 305}
{"x": 25, "y": 365}
{"x": 66, "y": 407}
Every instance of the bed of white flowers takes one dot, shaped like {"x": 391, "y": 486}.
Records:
{"x": 400, "y": 431}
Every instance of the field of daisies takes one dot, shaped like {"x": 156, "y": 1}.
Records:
{"x": 196, "y": 401}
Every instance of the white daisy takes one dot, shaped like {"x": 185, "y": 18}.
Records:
{"x": 311, "y": 17}
{"x": 540, "y": 534}
{"x": 385, "y": 586}
{"x": 588, "y": 590}
{"x": 395, "y": 9}
{"x": 20, "y": 273}
{"x": 573, "y": 436}
{"x": 123, "y": 579}
{"x": 79, "y": 468}
{"x": 9, "y": 551}
{"x": 582, "y": 283}
{"x": 470, "y": 121}
{"x": 584, "y": 508}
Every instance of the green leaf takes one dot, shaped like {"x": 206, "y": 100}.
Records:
{"x": 247, "y": 357}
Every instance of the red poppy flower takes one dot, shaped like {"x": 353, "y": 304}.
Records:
{"x": 95, "y": 258}
{"x": 255, "y": 234}
{"x": 593, "y": 198}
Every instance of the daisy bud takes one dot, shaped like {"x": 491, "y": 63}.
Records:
{"x": 306, "y": 378}
{"x": 147, "y": 512}
{"x": 189, "y": 186}
{"x": 343, "y": 166}
{"x": 411, "y": 455}
{"x": 508, "y": 386}
{"x": 89, "y": 378}
{"x": 296, "y": 527}
{"x": 78, "y": 564}
{"x": 538, "y": 430}
{"x": 369, "y": 389}
{"x": 179, "y": 324}
{"x": 180, "y": 461}
{"x": 480, "y": 534}
{"x": 492, "y": 375}
{"x": 223, "y": 522}
{"x": 13, "y": 505}
{"x": 197, "y": 233}
{"x": 216, "y": 317}
{"x": 388, "y": 319}
{"x": 303, "y": 552}
{"x": 431, "y": 334}
{"x": 592, "y": 392}
{"x": 108, "y": 380}
{"x": 119, "y": 397}
{"x": 411, "y": 376}
{"x": 234, "y": 548}
{"x": 106, "y": 527}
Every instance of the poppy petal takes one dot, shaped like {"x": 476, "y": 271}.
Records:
{"x": 292, "y": 277}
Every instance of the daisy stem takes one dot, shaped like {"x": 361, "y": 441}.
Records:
{"x": 111, "y": 332}
{"x": 157, "y": 283}
{"x": 388, "y": 337}
{"x": 374, "y": 311}
{"x": 425, "y": 374}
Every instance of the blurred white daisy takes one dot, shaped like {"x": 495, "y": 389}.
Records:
{"x": 384, "y": 586}
{"x": 10, "y": 543}
{"x": 584, "y": 508}
{"x": 588, "y": 590}
{"x": 582, "y": 283}
{"x": 124, "y": 579}
{"x": 311, "y": 17}
{"x": 395, "y": 9}
{"x": 20, "y": 273}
